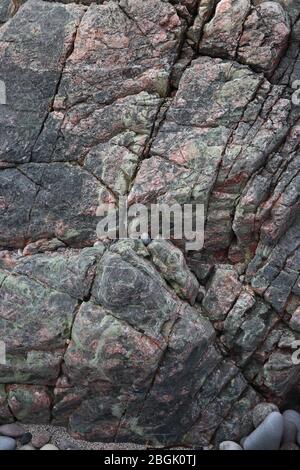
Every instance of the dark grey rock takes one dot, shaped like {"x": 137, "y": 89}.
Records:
{"x": 26, "y": 438}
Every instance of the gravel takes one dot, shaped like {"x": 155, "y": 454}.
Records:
{"x": 60, "y": 435}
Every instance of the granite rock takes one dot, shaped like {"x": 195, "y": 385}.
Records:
{"x": 168, "y": 102}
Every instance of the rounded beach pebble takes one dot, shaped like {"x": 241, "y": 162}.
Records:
{"x": 12, "y": 430}
{"x": 292, "y": 416}
{"x": 229, "y": 445}
{"x": 7, "y": 443}
{"x": 26, "y": 438}
{"x": 267, "y": 436}
{"x": 289, "y": 431}
{"x": 27, "y": 447}
{"x": 49, "y": 447}
{"x": 41, "y": 439}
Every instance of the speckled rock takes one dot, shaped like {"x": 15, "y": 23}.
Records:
{"x": 253, "y": 35}
{"x": 186, "y": 102}
{"x": 30, "y": 403}
{"x": 40, "y": 439}
{"x": 261, "y": 411}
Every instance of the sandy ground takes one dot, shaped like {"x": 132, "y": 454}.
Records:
{"x": 60, "y": 434}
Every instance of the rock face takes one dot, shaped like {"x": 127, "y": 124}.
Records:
{"x": 157, "y": 102}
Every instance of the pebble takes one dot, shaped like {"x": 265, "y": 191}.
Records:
{"x": 242, "y": 441}
{"x": 289, "y": 446}
{"x": 267, "y": 436}
{"x": 146, "y": 239}
{"x": 12, "y": 430}
{"x": 49, "y": 447}
{"x": 7, "y": 443}
{"x": 27, "y": 447}
{"x": 229, "y": 445}
{"x": 26, "y": 438}
{"x": 41, "y": 439}
{"x": 289, "y": 431}
{"x": 261, "y": 411}
{"x": 293, "y": 417}
{"x": 66, "y": 444}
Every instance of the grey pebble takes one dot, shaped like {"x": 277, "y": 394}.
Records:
{"x": 7, "y": 443}
{"x": 292, "y": 416}
{"x": 12, "y": 430}
{"x": 289, "y": 431}
{"x": 261, "y": 411}
{"x": 289, "y": 446}
{"x": 66, "y": 444}
{"x": 229, "y": 445}
{"x": 267, "y": 436}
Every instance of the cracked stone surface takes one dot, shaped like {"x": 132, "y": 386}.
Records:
{"x": 188, "y": 101}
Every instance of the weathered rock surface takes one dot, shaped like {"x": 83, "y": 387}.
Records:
{"x": 158, "y": 102}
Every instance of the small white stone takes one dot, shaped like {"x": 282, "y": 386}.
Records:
{"x": 229, "y": 445}
{"x": 49, "y": 447}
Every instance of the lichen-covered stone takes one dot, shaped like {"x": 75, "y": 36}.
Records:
{"x": 30, "y": 403}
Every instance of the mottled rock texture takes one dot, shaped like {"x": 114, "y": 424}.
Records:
{"x": 156, "y": 101}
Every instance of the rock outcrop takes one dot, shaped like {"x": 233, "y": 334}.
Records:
{"x": 159, "y": 102}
